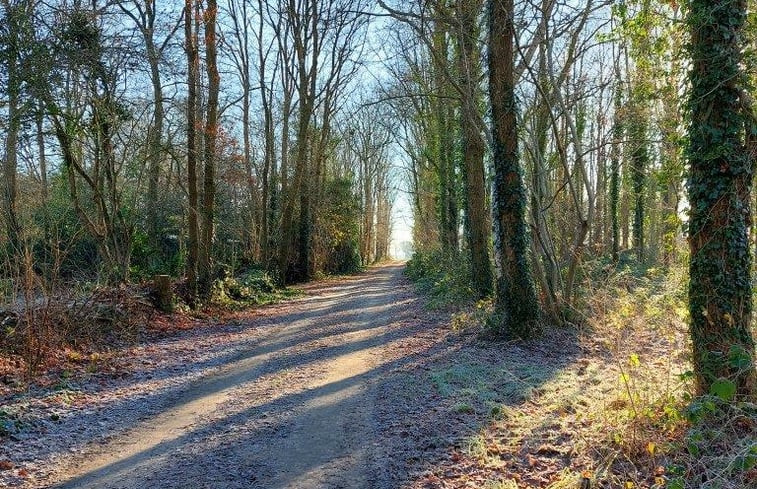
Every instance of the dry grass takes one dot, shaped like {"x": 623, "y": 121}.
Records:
{"x": 617, "y": 413}
{"x": 40, "y": 334}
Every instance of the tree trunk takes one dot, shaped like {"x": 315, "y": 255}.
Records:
{"x": 473, "y": 148}
{"x": 617, "y": 137}
{"x": 720, "y": 185}
{"x": 10, "y": 159}
{"x": 368, "y": 212}
{"x": 192, "y": 218}
{"x": 207, "y": 213}
{"x": 154, "y": 146}
{"x": 42, "y": 155}
{"x": 639, "y": 162}
{"x": 516, "y": 296}
{"x": 443, "y": 137}
{"x": 269, "y": 161}
{"x": 10, "y": 169}
{"x": 306, "y": 36}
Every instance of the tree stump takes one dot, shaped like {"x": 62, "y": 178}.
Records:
{"x": 162, "y": 293}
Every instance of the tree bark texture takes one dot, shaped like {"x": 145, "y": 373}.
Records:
{"x": 207, "y": 213}
{"x": 473, "y": 147}
{"x": 719, "y": 186}
{"x": 192, "y": 217}
{"x": 515, "y": 292}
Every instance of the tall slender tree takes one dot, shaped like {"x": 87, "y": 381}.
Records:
{"x": 190, "y": 48}
{"x": 144, "y": 14}
{"x": 444, "y": 134}
{"x": 207, "y": 213}
{"x": 617, "y": 136}
{"x": 473, "y": 145}
{"x": 14, "y": 16}
{"x": 516, "y": 300}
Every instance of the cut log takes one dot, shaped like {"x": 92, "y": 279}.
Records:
{"x": 162, "y": 293}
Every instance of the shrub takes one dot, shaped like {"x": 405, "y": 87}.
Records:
{"x": 249, "y": 288}
{"x": 338, "y": 236}
{"x": 445, "y": 279}
{"x": 148, "y": 260}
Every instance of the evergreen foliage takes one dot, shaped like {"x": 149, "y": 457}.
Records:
{"x": 516, "y": 300}
{"x": 720, "y": 183}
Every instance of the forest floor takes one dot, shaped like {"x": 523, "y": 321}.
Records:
{"x": 357, "y": 384}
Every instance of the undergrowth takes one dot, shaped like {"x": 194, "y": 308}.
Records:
{"x": 622, "y": 413}
{"x": 697, "y": 442}
{"x": 41, "y": 327}
{"x": 445, "y": 280}
{"x": 250, "y": 288}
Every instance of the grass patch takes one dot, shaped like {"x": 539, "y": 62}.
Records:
{"x": 508, "y": 484}
{"x": 619, "y": 411}
{"x": 10, "y": 422}
{"x": 485, "y": 387}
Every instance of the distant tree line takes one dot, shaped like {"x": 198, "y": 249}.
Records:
{"x": 159, "y": 137}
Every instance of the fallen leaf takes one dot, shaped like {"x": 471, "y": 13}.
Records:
{"x": 532, "y": 461}
{"x": 6, "y": 465}
{"x": 651, "y": 448}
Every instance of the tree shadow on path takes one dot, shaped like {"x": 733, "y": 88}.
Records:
{"x": 417, "y": 392}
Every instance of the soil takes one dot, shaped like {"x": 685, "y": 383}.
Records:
{"x": 293, "y": 395}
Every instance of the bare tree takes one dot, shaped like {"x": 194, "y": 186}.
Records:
{"x": 144, "y": 15}
{"x": 191, "y": 50}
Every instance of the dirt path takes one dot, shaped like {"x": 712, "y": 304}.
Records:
{"x": 356, "y": 385}
{"x": 294, "y": 408}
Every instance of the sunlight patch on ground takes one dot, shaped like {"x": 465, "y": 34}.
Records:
{"x": 167, "y": 429}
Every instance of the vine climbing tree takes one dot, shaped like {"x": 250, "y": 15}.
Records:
{"x": 720, "y": 184}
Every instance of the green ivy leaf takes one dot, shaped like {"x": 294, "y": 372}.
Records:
{"x": 676, "y": 483}
{"x": 692, "y": 448}
{"x": 724, "y": 389}
{"x": 739, "y": 358}
{"x": 747, "y": 461}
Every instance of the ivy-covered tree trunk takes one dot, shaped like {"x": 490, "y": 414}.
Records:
{"x": 443, "y": 109}
{"x": 516, "y": 301}
{"x": 637, "y": 135}
{"x": 719, "y": 186}
{"x": 641, "y": 97}
{"x": 473, "y": 146}
{"x": 617, "y": 136}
